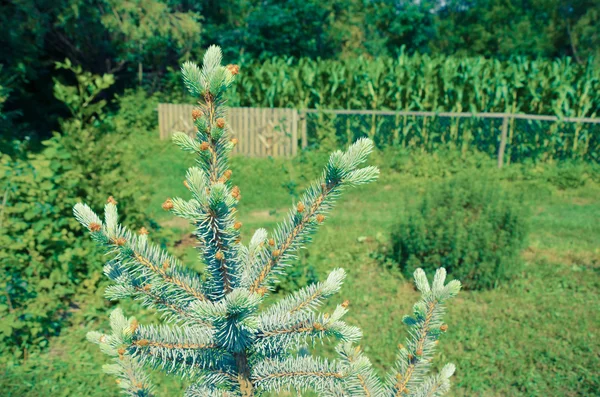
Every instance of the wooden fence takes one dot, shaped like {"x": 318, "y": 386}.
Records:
{"x": 279, "y": 131}
{"x": 261, "y": 131}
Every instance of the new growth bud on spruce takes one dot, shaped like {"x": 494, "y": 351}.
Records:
{"x": 111, "y": 200}
{"x": 196, "y": 114}
{"x": 235, "y": 193}
{"x": 221, "y": 122}
{"x": 167, "y": 205}
{"x": 234, "y": 69}
{"x": 95, "y": 227}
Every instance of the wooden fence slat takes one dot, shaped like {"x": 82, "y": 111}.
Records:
{"x": 244, "y": 127}
{"x": 250, "y": 122}
{"x": 304, "y": 128}
{"x": 272, "y": 131}
{"x": 248, "y": 147}
{"x": 294, "y": 134}
{"x": 238, "y": 129}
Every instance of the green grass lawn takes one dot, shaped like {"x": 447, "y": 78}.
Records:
{"x": 534, "y": 336}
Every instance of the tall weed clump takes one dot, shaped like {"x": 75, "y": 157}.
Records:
{"x": 469, "y": 226}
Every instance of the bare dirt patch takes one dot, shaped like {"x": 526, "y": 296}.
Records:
{"x": 582, "y": 201}
{"x": 176, "y": 222}
{"x": 569, "y": 258}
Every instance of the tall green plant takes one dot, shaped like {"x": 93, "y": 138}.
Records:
{"x": 43, "y": 260}
{"x": 439, "y": 84}
{"x": 218, "y": 337}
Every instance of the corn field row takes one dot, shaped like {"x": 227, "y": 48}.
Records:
{"x": 425, "y": 83}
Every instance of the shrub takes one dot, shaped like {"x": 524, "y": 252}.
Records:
{"x": 568, "y": 175}
{"x": 42, "y": 257}
{"x": 467, "y": 225}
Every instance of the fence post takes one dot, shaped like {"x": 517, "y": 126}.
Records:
{"x": 294, "y": 132}
{"x": 502, "y": 147}
{"x": 303, "y": 116}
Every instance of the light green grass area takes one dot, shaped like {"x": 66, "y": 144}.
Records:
{"x": 535, "y": 336}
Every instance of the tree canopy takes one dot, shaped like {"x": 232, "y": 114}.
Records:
{"x": 141, "y": 41}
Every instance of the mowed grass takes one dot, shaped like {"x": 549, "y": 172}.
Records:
{"x": 534, "y": 336}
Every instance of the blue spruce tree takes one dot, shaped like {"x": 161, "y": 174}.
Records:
{"x": 216, "y": 334}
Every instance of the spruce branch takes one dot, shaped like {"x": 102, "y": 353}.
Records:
{"x": 199, "y": 390}
{"x": 141, "y": 261}
{"x": 360, "y": 378}
{"x": 128, "y": 370}
{"x": 426, "y": 327}
{"x": 187, "y": 350}
{"x": 212, "y": 209}
{"x": 342, "y": 170}
{"x": 307, "y": 298}
{"x": 127, "y": 287}
{"x": 233, "y": 318}
{"x": 300, "y": 373}
{"x": 293, "y": 331}
{"x": 437, "y": 385}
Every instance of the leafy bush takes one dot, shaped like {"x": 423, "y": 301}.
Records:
{"x": 568, "y": 175}
{"x": 43, "y": 259}
{"x": 470, "y": 227}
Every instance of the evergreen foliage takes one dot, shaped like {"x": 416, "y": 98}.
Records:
{"x": 467, "y": 225}
{"x": 216, "y": 334}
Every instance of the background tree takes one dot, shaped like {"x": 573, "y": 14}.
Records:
{"x": 142, "y": 30}
{"x": 390, "y": 25}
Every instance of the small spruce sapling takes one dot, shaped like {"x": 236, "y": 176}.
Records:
{"x": 217, "y": 336}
